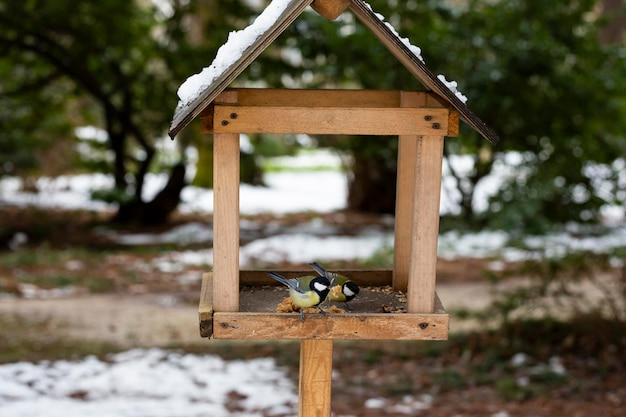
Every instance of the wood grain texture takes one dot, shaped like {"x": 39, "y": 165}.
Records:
{"x": 316, "y": 368}
{"x": 323, "y": 98}
{"x": 330, "y": 120}
{"x": 272, "y": 326}
{"x": 226, "y": 221}
{"x": 205, "y": 307}
{"x": 405, "y": 187}
{"x": 206, "y": 119}
{"x": 425, "y": 227}
{"x": 330, "y": 9}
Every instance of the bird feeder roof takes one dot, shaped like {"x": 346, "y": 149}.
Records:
{"x": 244, "y": 46}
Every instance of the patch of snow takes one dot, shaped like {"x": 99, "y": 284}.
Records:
{"x": 452, "y": 86}
{"x": 93, "y": 133}
{"x": 232, "y": 51}
{"x": 286, "y": 192}
{"x": 147, "y": 382}
{"x": 32, "y": 291}
{"x": 409, "y": 404}
{"x": 519, "y": 359}
{"x": 302, "y": 248}
{"x": 417, "y": 51}
{"x": 66, "y": 192}
{"x": 375, "y": 403}
{"x": 186, "y": 234}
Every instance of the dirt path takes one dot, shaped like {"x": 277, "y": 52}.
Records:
{"x": 164, "y": 319}
{"x": 129, "y": 320}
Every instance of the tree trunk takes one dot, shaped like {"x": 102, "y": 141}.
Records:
{"x": 372, "y": 186}
{"x": 613, "y": 32}
{"x": 160, "y": 208}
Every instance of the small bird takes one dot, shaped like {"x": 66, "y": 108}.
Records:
{"x": 342, "y": 289}
{"x": 305, "y": 291}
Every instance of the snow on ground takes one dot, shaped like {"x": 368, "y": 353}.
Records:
{"x": 151, "y": 382}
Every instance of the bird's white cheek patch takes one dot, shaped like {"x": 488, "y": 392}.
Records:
{"x": 348, "y": 292}
{"x": 320, "y": 287}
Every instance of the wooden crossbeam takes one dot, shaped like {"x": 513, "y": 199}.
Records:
{"x": 358, "y": 112}
{"x": 361, "y": 326}
{"x": 334, "y": 120}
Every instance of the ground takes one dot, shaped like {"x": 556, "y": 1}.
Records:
{"x": 69, "y": 284}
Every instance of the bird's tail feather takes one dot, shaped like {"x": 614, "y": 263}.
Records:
{"x": 280, "y": 279}
{"x": 319, "y": 269}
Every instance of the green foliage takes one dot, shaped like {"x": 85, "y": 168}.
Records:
{"x": 550, "y": 75}
{"x": 111, "y": 195}
{"x": 31, "y": 117}
{"x": 537, "y": 74}
{"x": 579, "y": 284}
{"x": 450, "y": 379}
{"x": 534, "y": 71}
{"x": 115, "y": 64}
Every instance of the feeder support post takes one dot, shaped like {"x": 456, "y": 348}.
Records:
{"x": 316, "y": 368}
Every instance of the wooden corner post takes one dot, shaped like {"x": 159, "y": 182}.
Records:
{"x": 425, "y": 227}
{"x": 407, "y": 159}
{"x": 420, "y": 160}
{"x": 226, "y": 215}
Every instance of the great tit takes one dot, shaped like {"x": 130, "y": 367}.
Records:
{"x": 305, "y": 291}
{"x": 347, "y": 289}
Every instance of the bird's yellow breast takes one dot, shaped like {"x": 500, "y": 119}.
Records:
{"x": 308, "y": 299}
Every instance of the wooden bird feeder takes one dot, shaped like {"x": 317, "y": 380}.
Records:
{"x": 421, "y": 119}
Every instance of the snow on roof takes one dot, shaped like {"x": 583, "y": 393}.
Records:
{"x": 415, "y": 49}
{"x": 452, "y": 85}
{"x": 232, "y": 51}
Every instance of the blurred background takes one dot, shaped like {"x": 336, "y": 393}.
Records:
{"x": 106, "y": 223}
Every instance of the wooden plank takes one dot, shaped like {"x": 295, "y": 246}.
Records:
{"x": 330, "y": 9}
{"x": 405, "y": 186}
{"x": 267, "y": 326}
{"x": 226, "y": 219}
{"x": 282, "y": 97}
{"x": 330, "y": 120}
{"x": 205, "y": 308}
{"x": 397, "y": 47}
{"x": 206, "y": 119}
{"x": 425, "y": 228}
{"x": 184, "y": 114}
{"x": 316, "y": 368}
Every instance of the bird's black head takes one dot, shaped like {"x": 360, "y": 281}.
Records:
{"x": 350, "y": 290}
{"x": 321, "y": 285}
